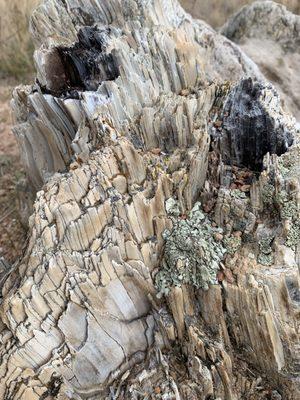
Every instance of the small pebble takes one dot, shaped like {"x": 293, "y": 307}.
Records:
{"x": 218, "y": 236}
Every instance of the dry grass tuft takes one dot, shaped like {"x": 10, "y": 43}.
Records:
{"x": 16, "y": 46}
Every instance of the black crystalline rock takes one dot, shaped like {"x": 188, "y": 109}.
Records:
{"x": 253, "y": 124}
{"x": 82, "y": 66}
{"x": 86, "y": 63}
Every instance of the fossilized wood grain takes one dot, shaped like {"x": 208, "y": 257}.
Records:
{"x": 141, "y": 53}
{"x": 84, "y": 280}
{"x": 86, "y": 276}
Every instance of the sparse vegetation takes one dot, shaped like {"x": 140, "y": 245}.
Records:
{"x": 16, "y": 47}
{"x": 16, "y": 66}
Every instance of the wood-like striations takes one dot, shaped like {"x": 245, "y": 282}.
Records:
{"x": 121, "y": 124}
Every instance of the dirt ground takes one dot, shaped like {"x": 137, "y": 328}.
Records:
{"x": 12, "y": 233}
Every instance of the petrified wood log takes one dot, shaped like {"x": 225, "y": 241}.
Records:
{"x": 163, "y": 253}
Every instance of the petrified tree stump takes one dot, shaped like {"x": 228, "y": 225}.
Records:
{"x": 163, "y": 252}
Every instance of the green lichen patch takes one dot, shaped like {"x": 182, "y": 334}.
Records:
{"x": 293, "y": 237}
{"x": 238, "y": 194}
{"x": 288, "y": 205}
{"x": 289, "y": 162}
{"x": 172, "y": 207}
{"x": 265, "y": 259}
{"x": 266, "y": 256}
{"x": 268, "y": 193}
{"x": 232, "y": 244}
{"x": 279, "y": 201}
{"x": 193, "y": 252}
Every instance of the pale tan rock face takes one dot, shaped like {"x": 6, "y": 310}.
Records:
{"x": 79, "y": 301}
{"x": 148, "y": 58}
{"x": 122, "y": 142}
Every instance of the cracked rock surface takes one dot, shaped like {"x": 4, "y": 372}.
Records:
{"x": 145, "y": 55}
{"x": 163, "y": 256}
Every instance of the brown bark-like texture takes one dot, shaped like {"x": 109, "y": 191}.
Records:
{"x": 162, "y": 260}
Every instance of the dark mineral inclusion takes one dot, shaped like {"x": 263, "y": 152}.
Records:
{"x": 87, "y": 62}
{"x": 249, "y": 130}
{"x": 84, "y": 65}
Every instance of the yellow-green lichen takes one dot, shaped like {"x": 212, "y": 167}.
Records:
{"x": 265, "y": 259}
{"x": 192, "y": 254}
{"x": 268, "y": 193}
{"x": 288, "y": 163}
{"x": 293, "y": 237}
{"x": 238, "y": 194}
{"x": 266, "y": 256}
{"x": 232, "y": 244}
{"x": 288, "y": 205}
